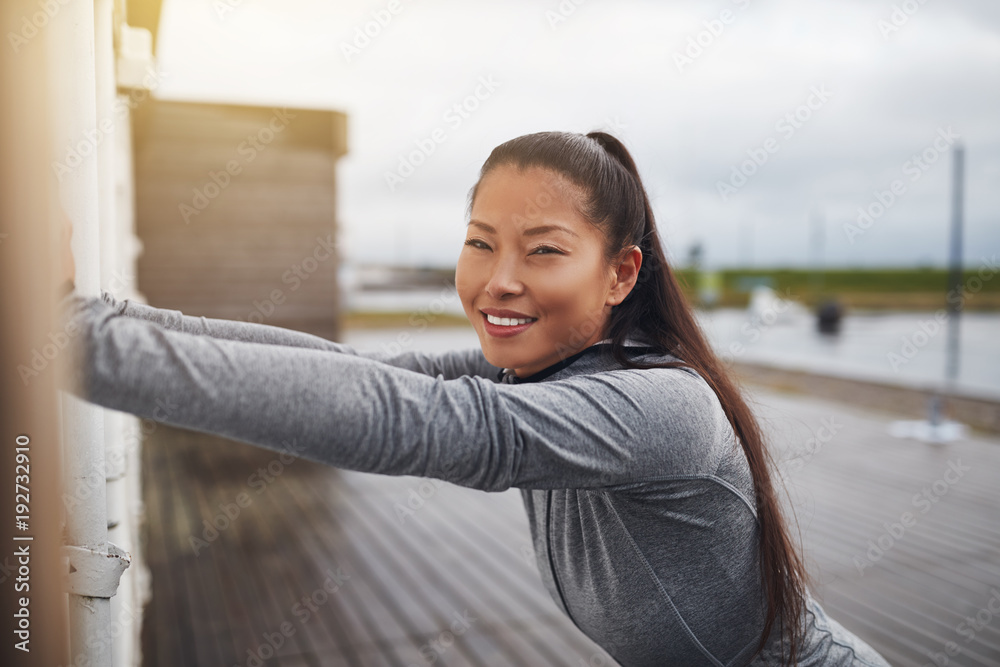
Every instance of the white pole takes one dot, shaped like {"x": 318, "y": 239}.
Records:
{"x": 110, "y": 239}
{"x": 74, "y": 95}
{"x": 135, "y": 583}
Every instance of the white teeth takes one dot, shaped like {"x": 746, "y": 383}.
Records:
{"x": 507, "y": 321}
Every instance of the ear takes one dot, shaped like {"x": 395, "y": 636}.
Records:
{"x": 625, "y": 276}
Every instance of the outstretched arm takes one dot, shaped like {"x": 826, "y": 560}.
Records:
{"x": 175, "y": 320}
{"x": 451, "y": 364}
{"x": 356, "y": 413}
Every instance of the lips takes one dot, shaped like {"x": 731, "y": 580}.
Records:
{"x": 503, "y": 312}
{"x": 506, "y": 323}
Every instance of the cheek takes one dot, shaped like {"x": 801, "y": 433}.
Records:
{"x": 570, "y": 293}
{"x": 571, "y": 304}
{"x": 560, "y": 304}
{"x": 465, "y": 283}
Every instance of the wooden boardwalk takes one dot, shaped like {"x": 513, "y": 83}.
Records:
{"x": 326, "y": 567}
{"x": 902, "y": 537}
{"x": 337, "y": 568}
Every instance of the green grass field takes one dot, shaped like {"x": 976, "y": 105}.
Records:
{"x": 896, "y": 289}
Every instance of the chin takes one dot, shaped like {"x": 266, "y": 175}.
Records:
{"x": 500, "y": 360}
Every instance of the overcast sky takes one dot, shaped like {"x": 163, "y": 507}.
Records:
{"x": 843, "y": 93}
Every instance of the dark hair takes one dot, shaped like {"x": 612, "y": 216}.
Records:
{"x": 614, "y": 199}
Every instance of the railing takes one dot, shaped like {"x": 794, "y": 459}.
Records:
{"x": 75, "y": 72}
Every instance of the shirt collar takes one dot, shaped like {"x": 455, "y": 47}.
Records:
{"x": 507, "y": 375}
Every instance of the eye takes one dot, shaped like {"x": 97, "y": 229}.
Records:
{"x": 547, "y": 250}
{"x": 476, "y": 243}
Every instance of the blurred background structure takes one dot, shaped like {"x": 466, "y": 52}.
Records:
{"x": 256, "y": 236}
{"x": 800, "y": 161}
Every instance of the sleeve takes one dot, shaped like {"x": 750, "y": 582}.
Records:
{"x": 451, "y": 364}
{"x": 352, "y": 412}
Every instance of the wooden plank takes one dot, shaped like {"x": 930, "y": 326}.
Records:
{"x": 464, "y": 588}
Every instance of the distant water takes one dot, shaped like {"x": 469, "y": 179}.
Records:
{"x": 897, "y": 347}
{"x": 443, "y": 300}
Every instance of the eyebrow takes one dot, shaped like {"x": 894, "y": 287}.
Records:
{"x": 534, "y": 231}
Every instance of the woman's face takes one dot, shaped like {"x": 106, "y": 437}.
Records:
{"x": 529, "y": 255}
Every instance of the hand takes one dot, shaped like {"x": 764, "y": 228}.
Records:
{"x": 67, "y": 265}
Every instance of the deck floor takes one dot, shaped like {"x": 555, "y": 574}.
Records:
{"x": 322, "y": 566}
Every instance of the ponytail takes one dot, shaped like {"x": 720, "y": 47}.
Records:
{"x": 660, "y": 310}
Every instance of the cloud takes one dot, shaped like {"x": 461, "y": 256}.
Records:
{"x": 687, "y": 128}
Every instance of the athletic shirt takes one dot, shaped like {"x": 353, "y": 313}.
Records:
{"x": 639, "y": 498}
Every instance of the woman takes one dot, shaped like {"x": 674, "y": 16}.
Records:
{"x": 644, "y": 475}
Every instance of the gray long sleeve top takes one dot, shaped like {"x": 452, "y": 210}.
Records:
{"x": 639, "y": 498}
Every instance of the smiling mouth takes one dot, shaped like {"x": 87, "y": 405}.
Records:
{"x": 505, "y": 327}
{"x": 509, "y": 321}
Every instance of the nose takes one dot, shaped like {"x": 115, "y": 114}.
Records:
{"x": 504, "y": 279}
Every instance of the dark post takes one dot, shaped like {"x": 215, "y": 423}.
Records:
{"x": 955, "y": 272}
{"x": 956, "y": 268}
